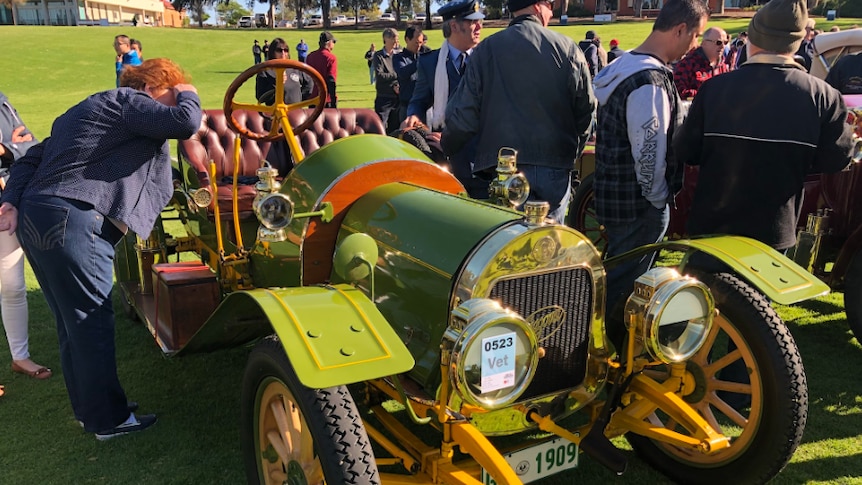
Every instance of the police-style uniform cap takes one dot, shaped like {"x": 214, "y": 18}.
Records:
{"x": 326, "y": 36}
{"x": 461, "y": 9}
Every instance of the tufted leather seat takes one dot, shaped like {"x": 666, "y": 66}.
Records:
{"x": 214, "y": 142}
{"x": 334, "y": 124}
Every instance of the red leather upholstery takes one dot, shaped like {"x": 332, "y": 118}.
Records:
{"x": 214, "y": 142}
{"x": 334, "y": 124}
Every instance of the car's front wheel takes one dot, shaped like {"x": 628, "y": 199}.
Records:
{"x": 293, "y": 434}
{"x": 749, "y": 385}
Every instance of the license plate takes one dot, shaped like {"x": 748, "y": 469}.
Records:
{"x": 540, "y": 461}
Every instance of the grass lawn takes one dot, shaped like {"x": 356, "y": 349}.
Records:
{"x": 196, "y": 441}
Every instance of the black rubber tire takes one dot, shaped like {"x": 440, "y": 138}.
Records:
{"x": 853, "y": 295}
{"x": 339, "y": 439}
{"x": 779, "y": 406}
{"x": 581, "y": 215}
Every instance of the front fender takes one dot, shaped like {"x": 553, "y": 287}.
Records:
{"x": 333, "y": 335}
{"x": 776, "y": 276}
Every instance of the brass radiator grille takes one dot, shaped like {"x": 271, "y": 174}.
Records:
{"x": 566, "y": 345}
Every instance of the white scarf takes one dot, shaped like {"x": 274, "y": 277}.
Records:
{"x": 441, "y": 89}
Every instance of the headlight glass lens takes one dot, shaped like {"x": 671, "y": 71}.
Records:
{"x": 679, "y": 322}
{"x": 494, "y": 358}
{"x": 517, "y": 190}
{"x": 275, "y": 211}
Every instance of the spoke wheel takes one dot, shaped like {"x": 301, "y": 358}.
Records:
{"x": 299, "y": 436}
{"x": 853, "y": 295}
{"x": 581, "y": 215}
{"x": 763, "y": 407}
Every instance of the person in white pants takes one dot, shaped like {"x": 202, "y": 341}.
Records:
{"x": 15, "y": 140}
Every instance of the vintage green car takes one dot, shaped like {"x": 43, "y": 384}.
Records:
{"x": 408, "y": 334}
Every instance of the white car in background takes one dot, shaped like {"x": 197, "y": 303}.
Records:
{"x": 419, "y": 17}
{"x": 436, "y": 18}
{"x": 388, "y": 16}
{"x": 340, "y": 19}
{"x": 315, "y": 19}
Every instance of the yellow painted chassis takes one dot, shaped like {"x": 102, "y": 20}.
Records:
{"x": 428, "y": 464}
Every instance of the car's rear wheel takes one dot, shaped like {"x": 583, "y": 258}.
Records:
{"x": 296, "y": 435}
{"x": 763, "y": 409}
{"x": 582, "y": 214}
{"x": 853, "y": 295}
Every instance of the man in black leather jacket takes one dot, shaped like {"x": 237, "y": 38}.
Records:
{"x": 527, "y": 88}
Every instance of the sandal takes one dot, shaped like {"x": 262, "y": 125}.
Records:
{"x": 41, "y": 373}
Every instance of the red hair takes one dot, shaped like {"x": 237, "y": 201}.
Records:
{"x": 157, "y": 73}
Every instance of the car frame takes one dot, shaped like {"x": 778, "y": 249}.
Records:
{"x": 365, "y": 275}
{"x": 387, "y": 16}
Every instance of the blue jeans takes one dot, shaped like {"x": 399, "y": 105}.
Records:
{"x": 552, "y": 185}
{"x": 648, "y": 228}
{"x": 71, "y": 249}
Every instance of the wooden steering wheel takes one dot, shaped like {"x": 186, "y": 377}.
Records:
{"x": 279, "y": 109}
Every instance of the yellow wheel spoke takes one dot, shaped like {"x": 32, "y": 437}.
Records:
{"x": 253, "y": 107}
{"x": 277, "y": 476}
{"x": 706, "y": 411}
{"x": 296, "y": 432}
{"x": 738, "y": 387}
{"x": 731, "y": 413}
{"x": 712, "y": 369}
{"x": 284, "y": 427}
{"x": 278, "y": 445}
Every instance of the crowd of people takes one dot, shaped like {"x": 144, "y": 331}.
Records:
{"x": 105, "y": 168}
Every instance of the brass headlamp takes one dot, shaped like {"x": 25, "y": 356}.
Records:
{"x": 509, "y": 188}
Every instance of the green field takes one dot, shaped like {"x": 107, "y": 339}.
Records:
{"x": 46, "y": 70}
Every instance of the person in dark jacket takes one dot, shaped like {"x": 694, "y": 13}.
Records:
{"x": 438, "y": 74}
{"x": 405, "y": 67}
{"x": 591, "y": 52}
{"x": 105, "y": 169}
{"x": 297, "y": 84}
{"x": 754, "y": 153}
{"x": 846, "y": 74}
{"x": 297, "y": 87}
{"x": 615, "y": 52}
{"x": 386, "y": 82}
{"x": 542, "y": 105}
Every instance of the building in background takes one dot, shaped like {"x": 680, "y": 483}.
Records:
{"x": 88, "y": 12}
{"x": 650, "y": 8}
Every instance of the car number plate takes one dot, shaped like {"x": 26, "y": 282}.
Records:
{"x": 540, "y": 461}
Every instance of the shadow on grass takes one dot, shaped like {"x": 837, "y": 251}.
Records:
{"x": 837, "y": 469}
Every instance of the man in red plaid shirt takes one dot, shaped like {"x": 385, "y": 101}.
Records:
{"x": 701, "y": 64}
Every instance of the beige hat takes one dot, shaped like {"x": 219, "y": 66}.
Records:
{"x": 779, "y": 26}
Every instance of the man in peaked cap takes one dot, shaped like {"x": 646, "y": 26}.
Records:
{"x": 438, "y": 74}
{"x": 755, "y": 152}
{"x": 527, "y": 88}
{"x": 325, "y": 62}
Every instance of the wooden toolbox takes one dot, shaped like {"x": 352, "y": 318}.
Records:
{"x": 185, "y": 296}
